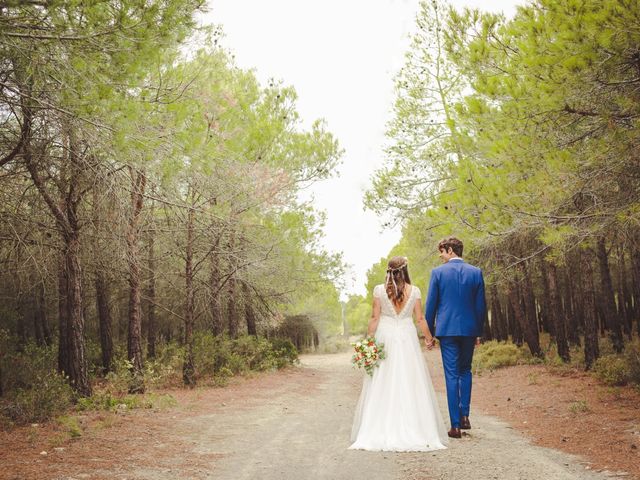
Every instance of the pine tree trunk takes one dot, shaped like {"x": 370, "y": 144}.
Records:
{"x": 530, "y": 324}
{"x": 249, "y": 312}
{"x": 591, "y": 347}
{"x": 104, "y": 320}
{"x": 573, "y": 333}
{"x": 557, "y": 314}
{"x": 635, "y": 284}
{"x": 514, "y": 326}
{"x": 64, "y": 210}
{"x": 78, "y": 371}
{"x": 188, "y": 371}
{"x": 529, "y": 330}
{"x": 623, "y": 295}
{"x": 63, "y": 321}
{"x": 611, "y": 319}
{"x": 215, "y": 278}
{"x": 35, "y": 317}
{"x": 41, "y": 315}
{"x": 151, "y": 296}
{"x": 232, "y": 297}
{"x": 545, "y": 306}
{"x": 577, "y": 276}
{"x": 232, "y": 308}
{"x": 498, "y": 321}
{"x": 487, "y": 334}
{"x": 21, "y": 321}
{"x": 134, "y": 337}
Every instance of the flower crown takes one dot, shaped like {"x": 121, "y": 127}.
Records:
{"x": 399, "y": 267}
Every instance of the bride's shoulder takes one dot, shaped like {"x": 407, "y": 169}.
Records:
{"x": 416, "y": 291}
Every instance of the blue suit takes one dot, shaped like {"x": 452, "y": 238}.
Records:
{"x": 455, "y": 312}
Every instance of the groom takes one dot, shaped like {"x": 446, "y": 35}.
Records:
{"x": 456, "y": 311}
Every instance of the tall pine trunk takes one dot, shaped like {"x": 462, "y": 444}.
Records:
{"x": 104, "y": 320}
{"x": 573, "y": 333}
{"x": 591, "y": 347}
{"x": 188, "y": 371}
{"x": 249, "y": 311}
{"x": 580, "y": 291}
{"x": 607, "y": 299}
{"x": 498, "y": 320}
{"x": 151, "y": 294}
{"x": 232, "y": 297}
{"x": 215, "y": 280}
{"x": 557, "y": 314}
{"x": 41, "y": 321}
{"x": 624, "y": 295}
{"x": 63, "y": 320}
{"x": 530, "y": 324}
{"x": 529, "y": 330}
{"x": 134, "y": 337}
{"x": 78, "y": 367}
{"x": 545, "y": 305}
{"x": 64, "y": 210}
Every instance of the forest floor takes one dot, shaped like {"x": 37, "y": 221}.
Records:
{"x": 529, "y": 422}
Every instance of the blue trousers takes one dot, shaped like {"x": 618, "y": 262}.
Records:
{"x": 457, "y": 353}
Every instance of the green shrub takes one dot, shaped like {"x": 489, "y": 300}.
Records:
{"x": 34, "y": 390}
{"x": 48, "y": 396}
{"x": 579, "y": 406}
{"x": 24, "y": 368}
{"x": 215, "y": 356}
{"x": 620, "y": 369}
{"x": 71, "y": 424}
{"x": 632, "y": 356}
{"x": 257, "y": 353}
{"x": 284, "y": 352}
{"x": 612, "y": 369}
{"x": 166, "y": 368}
{"x": 494, "y": 354}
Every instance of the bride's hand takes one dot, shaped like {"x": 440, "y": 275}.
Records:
{"x": 429, "y": 342}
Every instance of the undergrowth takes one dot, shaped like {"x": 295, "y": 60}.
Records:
{"x": 33, "y": 391}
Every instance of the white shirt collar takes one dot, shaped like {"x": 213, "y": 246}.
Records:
{"x": 456, "y": 258}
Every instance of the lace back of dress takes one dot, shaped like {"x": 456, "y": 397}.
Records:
{"x": 387, "y": 307}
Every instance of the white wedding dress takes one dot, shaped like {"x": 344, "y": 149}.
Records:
{"x": 397, "y": 409}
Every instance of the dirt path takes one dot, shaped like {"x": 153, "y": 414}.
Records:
{"x": 305, "y": 434}
{"x": 293, "y": 425}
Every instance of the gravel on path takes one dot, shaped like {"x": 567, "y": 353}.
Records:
{"x": 305, "y": 435}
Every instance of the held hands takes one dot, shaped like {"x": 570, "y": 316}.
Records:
{"x": 429, "y": 342}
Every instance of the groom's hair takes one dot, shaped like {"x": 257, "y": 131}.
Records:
{"x": 453, "y": 243}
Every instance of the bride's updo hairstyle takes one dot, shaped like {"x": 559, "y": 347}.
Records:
{"x": 397, "y": 276}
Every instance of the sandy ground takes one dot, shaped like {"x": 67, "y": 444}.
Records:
{"x": 293, "y": 424}
{"x": 294, "y": 438}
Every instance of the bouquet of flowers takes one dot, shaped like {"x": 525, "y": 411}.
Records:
{"x": 368, "y": 354}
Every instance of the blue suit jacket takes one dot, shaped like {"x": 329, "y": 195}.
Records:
{"x": 456, "y": 304}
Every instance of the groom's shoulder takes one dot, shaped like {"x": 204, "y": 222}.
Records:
{"x": 439, "y": 268}
{"x": 473, "y": 268}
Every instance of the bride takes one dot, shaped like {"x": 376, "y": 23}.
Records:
{"x": 397, "y": 409}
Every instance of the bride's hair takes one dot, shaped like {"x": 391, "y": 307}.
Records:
{"x": 397, "y": 277}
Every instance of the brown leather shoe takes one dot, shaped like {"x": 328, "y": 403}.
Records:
{"x": 455, "y": 433}
{"x": 465, "y": 424}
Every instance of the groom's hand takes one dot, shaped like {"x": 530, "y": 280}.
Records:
{"x": 429, "y": 343}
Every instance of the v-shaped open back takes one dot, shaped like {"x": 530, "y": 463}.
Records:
{"x": 388, "y": 309}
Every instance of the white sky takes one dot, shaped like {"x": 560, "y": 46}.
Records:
{"x": 341, "y": 56}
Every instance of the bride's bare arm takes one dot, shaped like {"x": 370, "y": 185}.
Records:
{"x": 418, "y": 315}
{"x": 375, "y": 318}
